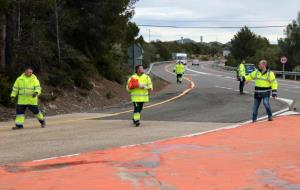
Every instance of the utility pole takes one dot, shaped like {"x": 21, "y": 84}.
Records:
{"x": 2, "y": 41}
{"x": 19, "y": 21}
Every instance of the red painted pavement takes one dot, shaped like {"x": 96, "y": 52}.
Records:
{"x": 261, "y": 156}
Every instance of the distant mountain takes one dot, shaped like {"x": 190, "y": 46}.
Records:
{"x": 215, "y": 43}
{"x": 186, "y": 41}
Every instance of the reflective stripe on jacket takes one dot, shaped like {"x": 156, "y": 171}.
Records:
{"x": 24, "y": 88}
{"x": 139, "y": 94}
{"x": 264, "y": 82}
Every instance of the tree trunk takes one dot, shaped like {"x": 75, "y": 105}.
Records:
{"x": 57, "y": 31}
{"x": 2, "y": 41}
{"x": 19, "y": 22}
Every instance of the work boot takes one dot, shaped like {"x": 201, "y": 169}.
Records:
{"x": 17, "y": 128}
{"x": 137, "y": 123}
{"x": 43, "y": 124}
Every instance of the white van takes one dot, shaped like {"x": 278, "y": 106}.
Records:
{"x": 182, "y": 57}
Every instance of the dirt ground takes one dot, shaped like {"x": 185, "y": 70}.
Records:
{"x": 104, "y": 94}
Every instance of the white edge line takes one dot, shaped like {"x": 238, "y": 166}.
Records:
{"x": 56, "y": 157}
{"x": 173, "y": 138}
{"x": 185, "y": 136}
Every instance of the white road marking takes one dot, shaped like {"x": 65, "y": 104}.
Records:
{"x": 288, "y": 101}
{"x": 56, "y": 157}
{"x": 284, "y": 111}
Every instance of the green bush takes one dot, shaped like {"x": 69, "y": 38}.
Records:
{"x": 205, "y": 58}
{"x": 110, "y": 69}
{"x": 231, "y": 61}
{"x": 60, "y": 79}
{"x": 297, "y": 69}
{"x": 82, "y": 80}
{"x": 5, "y": 87}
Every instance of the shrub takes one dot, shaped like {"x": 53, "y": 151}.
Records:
{"x": 82, "y": 80}
{"x": 60, "y": 79}
{"x": 205, "y": 58}
{"x": 297, "y": 69}
{"x": 5, "y": 87}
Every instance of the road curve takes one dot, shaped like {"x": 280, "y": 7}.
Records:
{"x": 206, "y": 107}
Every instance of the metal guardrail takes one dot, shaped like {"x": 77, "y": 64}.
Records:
{"x": 291, "y": 75}
{"x": 285, "y": 75}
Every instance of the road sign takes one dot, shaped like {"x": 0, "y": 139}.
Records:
{"x": 284, "y": 60}
{"x": 135, "y": 53}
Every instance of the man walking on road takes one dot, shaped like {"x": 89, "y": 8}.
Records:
{"x": 265, "y": 84}
{"x": 139, "y": 85}
{"x": 241, "y": 72}
{"x": 179, "y": 69}
{"x": 27, "y": 88}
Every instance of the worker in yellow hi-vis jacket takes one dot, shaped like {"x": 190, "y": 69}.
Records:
{"x": 179, "y": 69}
{"x": 265, "y": 86}
{"x": 241, "y": 72}
{"x": 27, "y": 89}
{"x": 139, "y": 85}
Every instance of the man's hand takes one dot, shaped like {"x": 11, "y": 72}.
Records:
{"x": 35, "y": 94}
{"x": 141, "y": 86}
{"x": 274, "y": 94}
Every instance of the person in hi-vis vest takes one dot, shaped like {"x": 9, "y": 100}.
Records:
{"x": 27, "y": 89}
{"x": 139, "y": 85}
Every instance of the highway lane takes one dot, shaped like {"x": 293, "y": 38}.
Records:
{"x": 214, "y": 99}
{"x": 288, "y": 89}
{"x": 205, "y": 108}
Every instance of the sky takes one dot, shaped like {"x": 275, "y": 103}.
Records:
{"x": 213, "y": 13}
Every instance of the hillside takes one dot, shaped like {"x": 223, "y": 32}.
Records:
{"x": 104, "y": 94}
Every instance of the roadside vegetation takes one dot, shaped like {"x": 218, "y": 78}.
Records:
{"x": 250, "y": 47}
{"x": 68, "y": 42}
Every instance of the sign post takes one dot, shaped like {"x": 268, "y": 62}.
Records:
{"x": 283, "y": 61}
{"x": 135, "y": 53}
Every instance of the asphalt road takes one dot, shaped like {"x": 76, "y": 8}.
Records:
{"x": 212, "y": 104}
{"x": 215, "y": 98}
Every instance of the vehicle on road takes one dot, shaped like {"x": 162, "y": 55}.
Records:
{"x": 250, "y": 68}
{"x": 196, "y": 62}
{"x": 181, "y": 57}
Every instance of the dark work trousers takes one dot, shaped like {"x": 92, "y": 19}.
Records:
{"x": 138, "y": 107}
{"x": 179, "y": 78}
{"x": 242, "y": 85}
{"x": 20, "y": 112}
{"x": 257, "y": 102}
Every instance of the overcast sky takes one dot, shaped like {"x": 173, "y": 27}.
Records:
{"x": 213, "y": 13}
